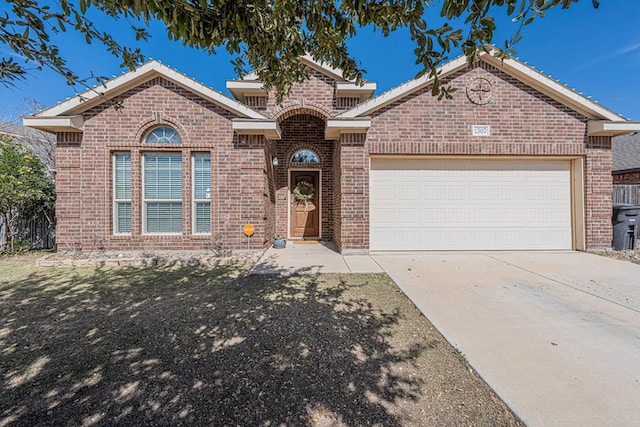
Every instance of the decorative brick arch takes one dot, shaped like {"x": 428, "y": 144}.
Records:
{"x": 159, "y": 120}
{"x": 295, "y": 108}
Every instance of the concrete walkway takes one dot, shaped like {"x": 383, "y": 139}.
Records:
{"x": 557, "y": 335}
{"x": 313, "y": 258}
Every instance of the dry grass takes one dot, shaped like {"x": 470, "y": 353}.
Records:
{"x": 213, "y": 346}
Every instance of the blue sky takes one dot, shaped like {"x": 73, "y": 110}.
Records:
{"x": 594, "y": 51}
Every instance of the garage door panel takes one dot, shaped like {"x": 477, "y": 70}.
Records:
{"x": 419, "y": 204}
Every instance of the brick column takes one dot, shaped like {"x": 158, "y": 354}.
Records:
{"x": 354, "y": 182}
{"x": 598, "y": 192}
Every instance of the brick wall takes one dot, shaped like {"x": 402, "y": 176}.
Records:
{"x": 627, "y": 178}
{"x": 354, "y": 193}
{"x": 239, "y": 172}
{"x": 304, "y": 131}
{"x": 599, "y": 192}
{"x": 523, "y": 122}
{"x": 337, "y": 195}
{"x": 248, "y": 189}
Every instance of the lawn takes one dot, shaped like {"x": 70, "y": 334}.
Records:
{"x": 200, "y": 346}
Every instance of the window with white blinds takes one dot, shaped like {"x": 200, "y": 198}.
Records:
{"x": 121, "y": 193}
{"x": 201, "y": 166}
{"x": 162, "y": 192}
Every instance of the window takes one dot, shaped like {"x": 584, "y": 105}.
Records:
{"x": 201, "y": 164}
{"x": 162, "y": 192}
{"x": 122, "y": 193}
{"x": 305, "y": 156}
{"x": 163, "y": 135}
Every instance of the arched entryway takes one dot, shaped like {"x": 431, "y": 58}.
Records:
{"x": 305, "y": 165}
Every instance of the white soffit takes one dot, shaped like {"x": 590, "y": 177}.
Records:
{"x": 325, "y": 69}
{"x": 611, "y": 128}
{"x": 55, "y": 124}
{"x": 241, "y": 88}
{"x": 336, "y": 127}
{"x": 249, "y": 85}
{"x": 352, "y": 90}
{"x": 268, "y": 128}
{"x": 513, "y": 67}
{"x": 145, "y": 72}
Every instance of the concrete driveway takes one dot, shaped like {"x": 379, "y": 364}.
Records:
{"x": 557, "y": 335}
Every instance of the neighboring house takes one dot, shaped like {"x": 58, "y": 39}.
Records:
{"x": 42, "y": 144}
{"x": 626, "y": 159}
{"x": 514, "y": 161}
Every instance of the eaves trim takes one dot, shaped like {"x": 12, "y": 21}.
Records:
{"x": 511, "y": 66}
{"x": 142, "y": 74}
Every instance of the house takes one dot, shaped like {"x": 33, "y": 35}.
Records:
{"x": 42, "y": 144}
{"x": 626, "y": 159}
{"x": 157, "y": 160}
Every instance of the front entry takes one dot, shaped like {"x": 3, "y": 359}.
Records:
{"x": 304, "y": 214}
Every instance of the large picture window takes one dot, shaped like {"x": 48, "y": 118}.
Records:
{"x": 162, "y": 192}
{"x": 201, "y": 165}
{"x": 122, "y": 193}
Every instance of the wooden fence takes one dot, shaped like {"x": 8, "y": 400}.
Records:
{"x": 39, "y": 232}
{"x": 626, "y": 194}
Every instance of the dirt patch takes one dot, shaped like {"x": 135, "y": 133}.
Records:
{"x": 627, "y": 255}
{"x": 203, "y": 346}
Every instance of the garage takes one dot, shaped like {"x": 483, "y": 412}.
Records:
{"x": 470, "y": 204}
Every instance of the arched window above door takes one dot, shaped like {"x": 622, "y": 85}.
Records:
{"x": 163, "y": 135}
{"x": 305, "y": 156}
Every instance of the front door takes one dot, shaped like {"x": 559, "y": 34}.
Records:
{"x": 305, "y": 206}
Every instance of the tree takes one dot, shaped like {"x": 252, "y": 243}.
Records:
{"x": 266, "y": 35}
{"x": 26, "y": 192}
{"x": 40, "y": 143}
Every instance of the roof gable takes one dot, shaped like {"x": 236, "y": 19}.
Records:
{"x": 250, "y": 85}
{"x": 95, "y": 96}
{"x": 327, "y": 70}
{"x": 512, "y": 67}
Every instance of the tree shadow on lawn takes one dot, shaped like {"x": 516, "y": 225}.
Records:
{"x": 202, "y": 346}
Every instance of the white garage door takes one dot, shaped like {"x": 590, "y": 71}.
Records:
{"x": 466, "y": 204}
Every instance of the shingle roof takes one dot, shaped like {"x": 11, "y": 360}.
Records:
{"x": 626, "y": 152}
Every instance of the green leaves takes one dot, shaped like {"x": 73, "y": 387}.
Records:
{"x": 267, "y": 36}
{"x": 25, "y": 189}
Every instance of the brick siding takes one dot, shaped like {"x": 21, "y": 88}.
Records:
{"x": 304, "y": 131}
{"x": 246, "y": 188}
{"x": 85, "y": 184}
{"x": 626, "y": 178}
{"x": 524, "y": 122}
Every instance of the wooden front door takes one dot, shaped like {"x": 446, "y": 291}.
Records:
{"x": 305, "y": 216}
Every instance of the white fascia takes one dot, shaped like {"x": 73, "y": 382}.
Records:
{"x": 144, "y": 73}
{"x": 327, "y": 70}
{"x": 552, "y": 88}
{"x": 513, "y": 67}
{"x": 336, "y": 127}
{"x": 352, "y": 90}
{"x": 268, "y": 128}
{"x": 55, "y": 124}
{"x": 611, "y": 128}
{"x": 401, "y": 91}
{"x": 243, "y": 88}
